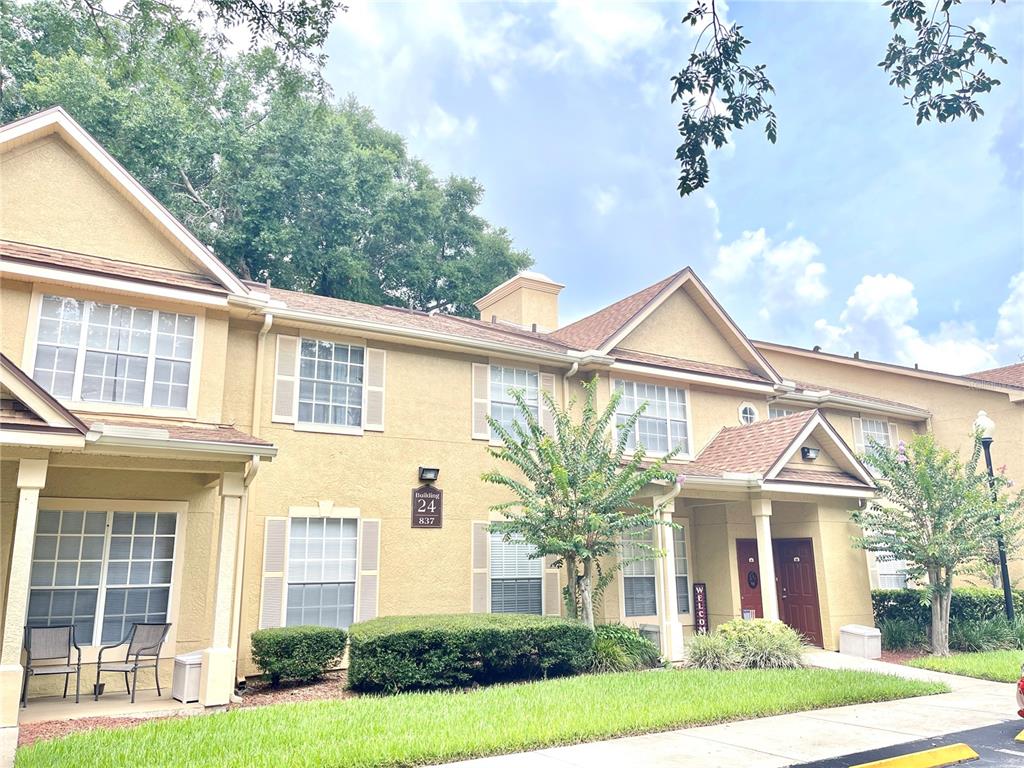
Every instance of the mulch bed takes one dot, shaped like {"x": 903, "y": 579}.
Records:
{"x": 256, "y": 694}
{"x": 902, "y": 657}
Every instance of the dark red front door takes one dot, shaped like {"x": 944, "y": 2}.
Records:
{"x": 798, "y": 587}
{"x": 750, "y": 576}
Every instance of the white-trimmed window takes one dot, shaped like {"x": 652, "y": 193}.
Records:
{"x": 101, "y": 571}
{"x": 682, "y": 563}
{"x": 639, "y": 590}
{"x": 503, "y": 408}
{"x": 779, "y": 411}
{"x": 892, "y": 574}
{"x": 88, "y": 351}
{"x": 330, "y": 383}
{"x": 664, "y": 422}
{"x": 322, "y": 571}
{"x": 876, "y": 430}
{"x": 515, "y": 576}
{"x": 747, "y": 413}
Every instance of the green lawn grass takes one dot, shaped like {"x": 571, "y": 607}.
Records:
{"x": 1001, "y": 666}
{"x": 415, "y": 729}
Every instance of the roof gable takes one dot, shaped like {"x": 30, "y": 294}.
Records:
{"x": 618, "y": 324}
{"x": 27, "y": 407}
{"x": 57, "y": 123}
{"x": 767, "y": 449}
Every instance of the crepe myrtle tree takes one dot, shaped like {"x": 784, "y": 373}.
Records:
{"x": 575, "y": 490}
{"x": 937, "y": 513}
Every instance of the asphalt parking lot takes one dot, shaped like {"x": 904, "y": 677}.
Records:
{"x": 994, "y": 744}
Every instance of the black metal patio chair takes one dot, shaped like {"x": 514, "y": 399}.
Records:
{"x": 144, "y": 642}
{"x": 50, "y": 644}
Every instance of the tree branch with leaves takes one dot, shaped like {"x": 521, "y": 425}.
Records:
{"x": 575, "y": 491}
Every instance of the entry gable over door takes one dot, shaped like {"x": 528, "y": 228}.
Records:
{"x": 30, "y": 416}
{"x": 63, "y": 190}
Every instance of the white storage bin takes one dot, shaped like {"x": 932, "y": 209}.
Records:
{"x": 188, "y": 667}
{"x": 858, "y": 640}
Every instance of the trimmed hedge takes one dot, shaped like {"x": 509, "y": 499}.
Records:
{"x": 402, "y": 653}
{"x": 967, "y": 604}
{"x": 297, "y": 653}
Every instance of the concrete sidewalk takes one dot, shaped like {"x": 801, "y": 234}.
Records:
{"x": 796, "y": 738}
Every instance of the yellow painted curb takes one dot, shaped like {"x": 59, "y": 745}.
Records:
{"x": 929, "y": 758}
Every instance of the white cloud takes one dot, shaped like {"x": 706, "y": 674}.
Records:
{"x": 438, "y": 125}
{"x": 877, "y": 321}
{"x": 605, "y": 33}
{"x": 785, "y": 275}
{"x": 1010, "y": 325}
{"x": 604, "y": 200}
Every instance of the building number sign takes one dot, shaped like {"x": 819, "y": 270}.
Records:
{"x": 427, "y": 507}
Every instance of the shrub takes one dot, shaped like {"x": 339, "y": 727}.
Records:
{"x": 399, "y": 653}
{"x": 297, "y": 653}
{"x": 764, "y": 644}
{"x": 966, "y": 604}
{"x": 713, "y": 651}
{"x": 901, "y": 634}
{"x": 985, "y": 635}
{"x": 1018, "y": 631}
{"x": 637, "y": 652}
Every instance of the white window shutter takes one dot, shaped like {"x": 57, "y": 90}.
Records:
{"x": 481, "y": 579}
{"x": 547, "y": 416}
{"x": 373, "y": 390}
{"x": 275, "y": 557}
{"x": 481, "y": 401}
{"x": 894, "y": 434}
{"x": 552, "y": 591}
{"x": 369, "y": 571}
{"x": 858, "y": 435}
{"x": 286, "y": 372}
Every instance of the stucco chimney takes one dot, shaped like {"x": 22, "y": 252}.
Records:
{"x": 525, "y": 300}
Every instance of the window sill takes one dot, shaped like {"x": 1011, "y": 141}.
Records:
{"x": 327, "y": 429}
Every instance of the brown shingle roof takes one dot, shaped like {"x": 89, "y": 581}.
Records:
{"x": 404, "y": 318}
{"x": 1013, "y": 375}
{"x": 594, "y": 330}
{"x": 679, "y": 364}
{"x": 817, "y": 477}
{"x": 81, "y": 262}
{"x": 754, "y": 447}
{"x": 196, "y": 431}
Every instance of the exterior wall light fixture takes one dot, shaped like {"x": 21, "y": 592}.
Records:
{"x": 429, "y": 474}
{"x": 808, "y": 453}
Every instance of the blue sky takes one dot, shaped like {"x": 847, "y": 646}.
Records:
{"x": 858, "y": 230}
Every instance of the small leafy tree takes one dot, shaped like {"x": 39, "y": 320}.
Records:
{"x": 575, "y": 491}
{"x": 935, "y": 512}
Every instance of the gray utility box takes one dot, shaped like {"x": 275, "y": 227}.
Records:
{"x": 858, "y": 640}
{"x": 188, "y": 668}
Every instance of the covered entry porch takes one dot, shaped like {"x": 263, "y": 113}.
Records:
{"x": 107, "y": 524}
{"x": 767, "y": 536}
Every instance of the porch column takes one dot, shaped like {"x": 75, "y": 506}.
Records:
{"x": 671, "y": 628}
{"x": 31, "y": 479}
{"x": 762, "y": 509}
{"x": 217, "y": 682}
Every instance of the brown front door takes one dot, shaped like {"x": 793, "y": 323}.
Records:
{"x": 750, "y": 576}
{"x": 798, "y": 587}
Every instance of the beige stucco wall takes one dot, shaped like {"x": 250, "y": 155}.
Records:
{"x": 678, "y": 328}
{"x": 83, "y": 212}
{"x": 525, "y": 306}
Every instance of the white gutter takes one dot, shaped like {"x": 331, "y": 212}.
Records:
{"x": 257, "y": 391}
{"x": 695, "y": 378}
{"x": 102, "y": 439}
{"x": 827, "y": 397}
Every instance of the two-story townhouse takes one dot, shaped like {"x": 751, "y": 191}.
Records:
{"x": 180, "y": 445}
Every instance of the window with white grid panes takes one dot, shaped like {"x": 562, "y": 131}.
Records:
{"x": 515, "y": 576}
{"x": 331, "y": 383}
{"x": 101, "y": 571}
{"x": 321, "y": 571}
{"x": 682, "y": 569}
{"x": 876, "y": 430}
{"x": 504, "y": 380}
{"x": 638, "y": 580}
{"x": 87, "y": 351}
{"x": 663, "y": 424}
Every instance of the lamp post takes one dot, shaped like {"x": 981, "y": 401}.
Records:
{"x": 987, "y": 428}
